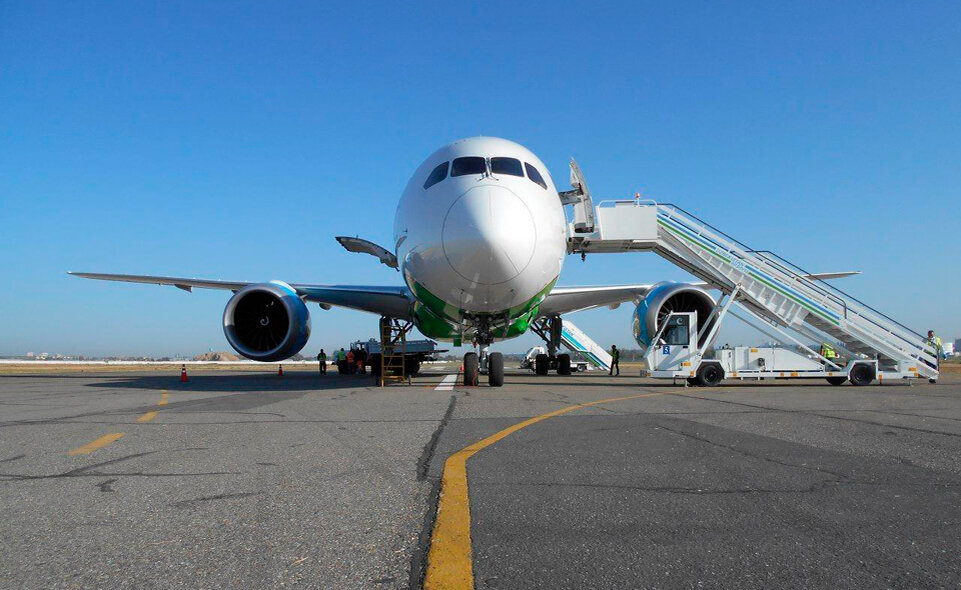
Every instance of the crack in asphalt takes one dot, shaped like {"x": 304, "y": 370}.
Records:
{"x": 92, "y": 471}
{"x": 746, "y": 453}
{"x": 820, "y": 415}
{"x": 418, "y": 556}
{"x": 423, "y": 463}
{"x": 191, "y": 502}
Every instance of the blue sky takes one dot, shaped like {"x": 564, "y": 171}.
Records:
{"x": 234, "y": 140}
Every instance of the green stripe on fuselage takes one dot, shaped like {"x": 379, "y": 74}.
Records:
{"x": 436, "y": 318}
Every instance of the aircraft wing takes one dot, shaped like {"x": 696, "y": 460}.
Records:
{"x": 390, "y": 301}
{"x": 563, "y": 300}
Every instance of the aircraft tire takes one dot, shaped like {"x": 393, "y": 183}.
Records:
{"x": 471, "y": 369}
{"x": 412, "y": 368}
{"x": 495, "y": 369}
{"x": 542, "y": 364}
{"x": 564, "y": 364}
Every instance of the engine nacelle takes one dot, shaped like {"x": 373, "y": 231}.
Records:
{"x": 665, "y": 298}
{"x": 267, "y": 322}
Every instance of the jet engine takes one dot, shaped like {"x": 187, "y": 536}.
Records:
{"x": 267, "y": 322}
{"x": 665, "y": 298}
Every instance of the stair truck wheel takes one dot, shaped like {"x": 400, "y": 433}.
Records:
{"x": 836, "y": 380}
{"x": 861, "y": 374}
{"x": 709, "y": 374}
{"x": 495, "y": 369}
{"x": 471, "y": 369}
{"x": 564, "y": 364}
{"x": 542, "y": 364}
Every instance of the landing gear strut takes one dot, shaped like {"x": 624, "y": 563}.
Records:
{"x": 549, "y": 329}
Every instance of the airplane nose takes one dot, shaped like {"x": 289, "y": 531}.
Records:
{"x": 489, "y": 235}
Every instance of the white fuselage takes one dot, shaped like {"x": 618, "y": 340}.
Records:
{"x": 481, "y": 238}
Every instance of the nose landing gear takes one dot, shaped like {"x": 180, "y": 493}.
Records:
{"x": 489, "y": 363}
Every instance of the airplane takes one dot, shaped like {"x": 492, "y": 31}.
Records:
{"x": 480, "y": 238}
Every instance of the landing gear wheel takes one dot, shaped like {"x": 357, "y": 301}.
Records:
{"x": 861, "y": 374}
{"x": 564, "y": 364}
{"x": 836, "y": 380}
{"x": 709, "y": 374}
{"x": 542, "y": 364}
{"x": 471, "y": 369}
{"x": 495, "y": 369}
{"x": 411, "y": 368}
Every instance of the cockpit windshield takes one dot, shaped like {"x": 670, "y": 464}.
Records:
{"x": 437, "y": 174}
{"x": 534, "y": 175}
{"x": 510, "y": 166}
{"x": 468, "y": 165}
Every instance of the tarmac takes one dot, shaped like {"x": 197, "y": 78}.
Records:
{"x": 247, "y": 480}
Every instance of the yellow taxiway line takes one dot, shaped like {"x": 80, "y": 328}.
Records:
{"x": 449, "y": 564}
{"x": 151, "y": 415}
{"x": 94, "y": 445}
{"x": 109, "y": 438}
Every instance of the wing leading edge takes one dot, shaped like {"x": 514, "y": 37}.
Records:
{"x": 384, "y": 300}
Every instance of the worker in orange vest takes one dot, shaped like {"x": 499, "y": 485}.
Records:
{"x": 351, "y": 365}
{"x": 361, "y": 357}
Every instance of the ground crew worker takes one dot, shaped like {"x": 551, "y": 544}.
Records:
{"x": 361, "y": 357}
{"x": 351, "y": 367}
{"x": 341, "y": 361}
{"x": 828, "y": 352}
{"x": 322, "y": 361}
{"x": 615, "y": 359}
{"x": 935, "y": 343}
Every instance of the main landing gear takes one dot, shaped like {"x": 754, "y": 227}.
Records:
{"x": 549, "y": 329}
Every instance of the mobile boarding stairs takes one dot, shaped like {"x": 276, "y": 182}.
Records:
{"x": 778, "y": 296}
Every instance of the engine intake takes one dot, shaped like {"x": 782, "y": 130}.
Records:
{"x": 267, "y": 322}
{"x": 665, "y": 298}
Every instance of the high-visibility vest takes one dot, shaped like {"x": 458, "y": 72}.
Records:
{"x": 936, "y": 343}
{"x": 827, "y": 352}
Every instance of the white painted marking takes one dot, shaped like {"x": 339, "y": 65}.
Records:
{"x": 448, "y": 383}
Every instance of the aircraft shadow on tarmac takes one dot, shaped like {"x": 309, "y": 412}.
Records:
{"x": 234, "y": 383}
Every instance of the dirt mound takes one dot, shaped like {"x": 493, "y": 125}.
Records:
{"x": 217, "y": 356}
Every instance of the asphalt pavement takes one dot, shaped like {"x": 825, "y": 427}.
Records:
{"x": 134, "y": 480}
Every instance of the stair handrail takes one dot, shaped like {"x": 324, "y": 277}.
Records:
{"x": 768, "y": 253}
{"x": 743, "y": 249}
{"x": 800, "y": 275}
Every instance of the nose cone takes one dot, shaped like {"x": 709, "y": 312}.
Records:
{"x": 489, "y": 235}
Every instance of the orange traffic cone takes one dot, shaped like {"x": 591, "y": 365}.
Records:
{"x": 183, "y": 373}
{"x": 280, "y": 371}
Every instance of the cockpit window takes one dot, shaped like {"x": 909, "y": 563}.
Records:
{"x": 509, "y": 166}
{"x": 468, "y": 165}
{"x": 534, "y": 175}
{"x": 437, "y": 174}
